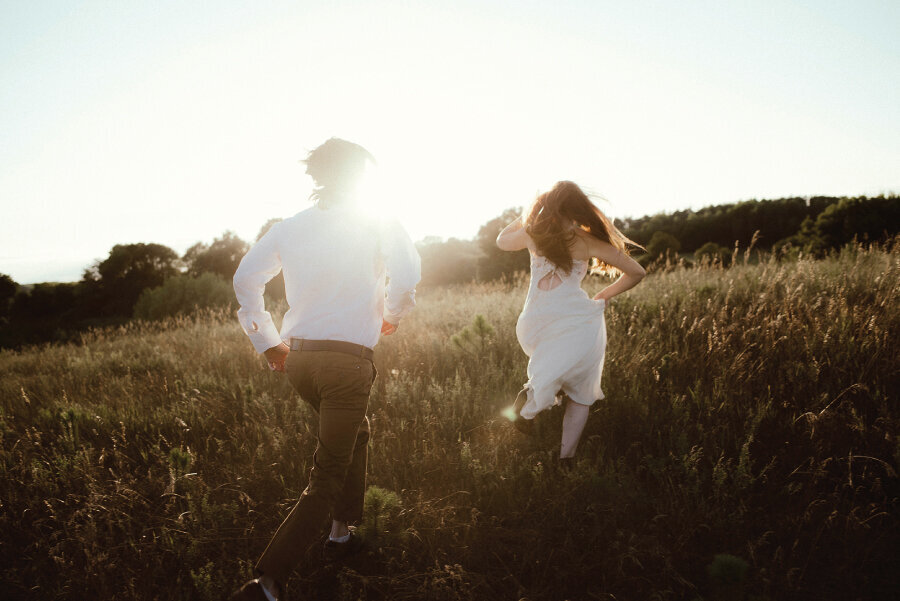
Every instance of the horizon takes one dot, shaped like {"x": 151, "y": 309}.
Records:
{"x": 430, "y": 239}
{"x": 170, "y": 125}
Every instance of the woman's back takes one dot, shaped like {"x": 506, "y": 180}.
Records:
{"x": 546, "y": 275}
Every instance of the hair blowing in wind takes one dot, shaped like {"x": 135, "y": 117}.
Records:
{"x": 552, "y": 218}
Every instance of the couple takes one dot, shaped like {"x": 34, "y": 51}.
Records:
{"x": 335, "y": 261}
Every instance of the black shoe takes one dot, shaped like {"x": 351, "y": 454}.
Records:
{"x": 566, "y": 464}
{"x": 339, "y": 551}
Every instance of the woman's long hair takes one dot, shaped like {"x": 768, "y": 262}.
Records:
{"x": 551, "y": 220}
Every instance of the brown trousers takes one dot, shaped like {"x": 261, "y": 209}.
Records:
{"x": 337, "y": 386}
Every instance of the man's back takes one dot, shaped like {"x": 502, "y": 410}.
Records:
{"x": 334, "y": 264}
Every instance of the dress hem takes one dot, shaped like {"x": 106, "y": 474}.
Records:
{"x": 529, "y": 391}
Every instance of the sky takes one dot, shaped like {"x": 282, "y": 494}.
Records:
{"x": 174, "y": 122}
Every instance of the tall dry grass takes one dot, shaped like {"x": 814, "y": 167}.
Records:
{"x": 747, "y": 449}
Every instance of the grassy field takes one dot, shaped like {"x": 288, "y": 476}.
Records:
{"x": 747, "y": 449}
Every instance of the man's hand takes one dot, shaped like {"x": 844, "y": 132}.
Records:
{"x": 388, "y": 328}
{"x": 276, "y": 356}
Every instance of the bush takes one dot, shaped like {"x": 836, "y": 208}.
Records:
{"x": 381, "y": 509}
{"x": 448, "y": 262}
{"x": 182, "y": 295}
{"x": 714, "y": 253}
{"x": 851, "y": 218}
{"x": 661, "y": 243}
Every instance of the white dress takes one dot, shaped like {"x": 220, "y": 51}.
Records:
{"x": 563, "y": 332}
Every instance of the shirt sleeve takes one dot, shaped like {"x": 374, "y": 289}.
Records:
{"x": 404, "y": 271}
{"x": 261, "y": 263}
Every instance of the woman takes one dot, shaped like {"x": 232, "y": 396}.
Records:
{"x": 561, "y": 329}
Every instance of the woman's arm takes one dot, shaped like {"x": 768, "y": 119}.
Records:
{"x": 632, "y": 272}
{"x": 513, "y": 236}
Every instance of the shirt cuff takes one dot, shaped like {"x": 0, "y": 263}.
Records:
{"x": 265, "y": 337}
{"x": 406, "y": 305}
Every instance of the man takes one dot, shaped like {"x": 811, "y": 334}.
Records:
{"x": 334, "y": 260}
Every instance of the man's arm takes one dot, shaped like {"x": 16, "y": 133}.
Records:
{"x": 404, "y": 271}
{"x": 261, "y": 263}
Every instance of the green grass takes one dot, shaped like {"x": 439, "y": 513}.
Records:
{"x": 747, "y": 449}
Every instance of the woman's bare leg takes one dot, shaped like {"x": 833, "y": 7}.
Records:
{"x": 573, "y": 425}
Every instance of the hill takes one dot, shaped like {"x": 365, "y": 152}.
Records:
{"x": 748, "y": 446}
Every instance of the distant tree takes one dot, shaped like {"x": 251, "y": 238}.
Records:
{"x": 839, "y": 223}
{"x": 44, "y": 302}
{"x": 494, "y": 262}
{"x": 861, "y": 218}
{"x": 725, "y": 224}
{"x": 42, "y": 312}
{"x": 808, "y": 238}
{"x": 117, "y": 281}
{"x": 713, "y": 252}
{"x": 452, "y": 262}
{"x": 183, "y": 295}
{"x": 662, "y": 243}
{"x": 8, "y": 288}
{"x": 191, "y": 255}
{"x": 221, "y": 257}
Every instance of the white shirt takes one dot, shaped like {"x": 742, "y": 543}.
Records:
{"x": 334, "y": 264}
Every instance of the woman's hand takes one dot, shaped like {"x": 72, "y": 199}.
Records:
{"x": 276, "y": 356}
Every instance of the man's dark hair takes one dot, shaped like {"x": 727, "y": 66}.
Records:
{"x": 336, "y": 166}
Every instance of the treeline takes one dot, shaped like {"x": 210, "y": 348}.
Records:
{"x": 812, "y": 225}
{"x": 145, "y": 281}
{"x": 150, "y": 281}
{"x": 788, "y": 226}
